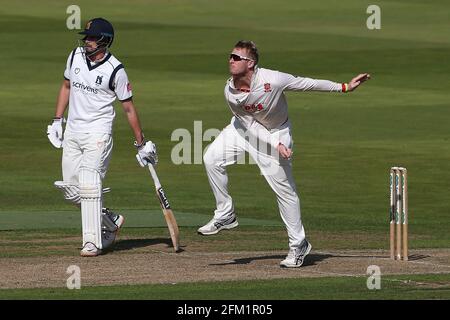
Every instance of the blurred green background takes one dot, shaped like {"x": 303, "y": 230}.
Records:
{"x": 175, "y": 54}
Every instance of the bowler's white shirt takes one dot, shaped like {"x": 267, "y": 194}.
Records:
{"x": 93, "y": 89}
{"x": 266, "y": 102}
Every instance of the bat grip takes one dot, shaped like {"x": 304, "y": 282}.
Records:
{"x": 154, "y": 176}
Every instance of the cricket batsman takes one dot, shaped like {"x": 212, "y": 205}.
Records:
{"x": 261, "y": 126}
{"x": 93, "y": 80}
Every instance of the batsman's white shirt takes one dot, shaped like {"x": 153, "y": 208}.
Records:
{"x": 88, "y": 135}
{"x": 93, "y": 89}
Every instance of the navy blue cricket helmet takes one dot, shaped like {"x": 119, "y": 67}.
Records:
{"x": 100, "y": 28}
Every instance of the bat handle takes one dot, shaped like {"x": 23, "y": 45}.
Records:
{"x": 154, "y": 176}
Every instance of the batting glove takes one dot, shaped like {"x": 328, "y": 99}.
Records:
{"x": 55, "y": 132}
{"x": 146, "y": 153}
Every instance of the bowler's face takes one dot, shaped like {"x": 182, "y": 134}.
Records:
{"x": 239, "y": 66}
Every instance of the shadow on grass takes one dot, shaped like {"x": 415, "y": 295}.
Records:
{"x": 415, "y": 257}
{"x": 131, "y": 244}
{"x": 310, "y": 259}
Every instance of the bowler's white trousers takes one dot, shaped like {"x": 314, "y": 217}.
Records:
{"x": 230, "y": 146}
{"x": 89, "y": 150}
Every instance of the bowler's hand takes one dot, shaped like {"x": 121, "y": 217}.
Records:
{"x": 356, "y": 81}
{"x": 285, "y": 152}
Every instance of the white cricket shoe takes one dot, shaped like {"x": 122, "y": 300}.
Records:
{"x": 108, "y": 238}
{"x": 111, "y": 221}
{"x": 296, "y": 257}
{"x": 214, "y": 226}
{"x": 90, "y": 250}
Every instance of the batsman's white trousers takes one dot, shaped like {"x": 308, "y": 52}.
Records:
{"x": 89, "y": 150}
{"x": 229, "y": 147}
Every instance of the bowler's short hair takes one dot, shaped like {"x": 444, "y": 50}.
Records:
{"x": 251, "y": 47}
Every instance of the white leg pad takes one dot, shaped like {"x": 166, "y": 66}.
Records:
{"x": 91, "y": 206}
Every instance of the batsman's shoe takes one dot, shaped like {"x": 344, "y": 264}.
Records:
{"x": 296, "y": 257}
{"x": 112, "y": 221}
{"x": 90, "y": 250}
{"x": 214, "y": 226}
{"x": 108, "y": 238}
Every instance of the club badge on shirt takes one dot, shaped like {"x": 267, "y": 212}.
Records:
{"x": 99, "y": 80}
{"x": 253, "y": 107}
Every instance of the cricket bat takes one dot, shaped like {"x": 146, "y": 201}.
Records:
{"x": 165, "y": 206}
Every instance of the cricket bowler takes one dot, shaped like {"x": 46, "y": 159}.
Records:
{"x": 261, "y": 126}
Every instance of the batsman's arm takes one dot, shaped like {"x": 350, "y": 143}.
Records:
{"x": 63, "y": 99}
{"x": 133, "y": 120}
